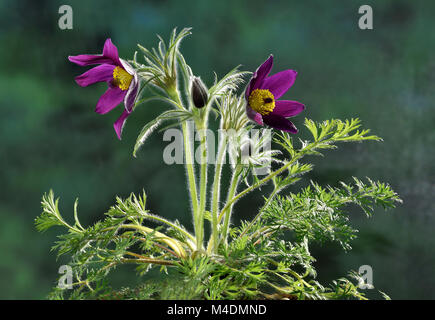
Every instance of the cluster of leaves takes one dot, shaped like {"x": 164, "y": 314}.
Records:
{"x": 272, "y": 255}
{"x": 165, "y": 71}
{"x": 120, "y": 238}
{"x": 261, "y": 263}
{"x": 267, "y": 257}
{"x": 316, "y": 212}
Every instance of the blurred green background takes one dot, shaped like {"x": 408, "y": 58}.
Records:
{"x": 52, "y": 138}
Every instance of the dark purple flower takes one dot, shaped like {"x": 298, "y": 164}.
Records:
{"x": 261, "y": 95}
{"x": 122, "y": 81}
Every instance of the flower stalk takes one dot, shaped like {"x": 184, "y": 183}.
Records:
{"x": 231, "y": 193}
{"x": 214, "y": 240}
{"x": 189, "y": 160}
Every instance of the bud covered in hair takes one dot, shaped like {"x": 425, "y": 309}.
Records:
{"x": 199, "y": 93}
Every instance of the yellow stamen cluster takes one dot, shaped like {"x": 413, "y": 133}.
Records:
{"x": 262, "y": 101}
{"x": 121, "y": 78}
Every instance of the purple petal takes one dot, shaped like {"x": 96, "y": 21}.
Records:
{"x": 119, "y": 124}
{"x": 280, "y": 82}
{"x": 110, "y": 99}
{"x": 133, "y": 88}
{"x": 248, "y": 90}
{"x": 109, "y": 56}
{"x": 253, "y": 115}
{"x": 110, "y": 51}
{"x": 97, "y": 74}
{"x": 127, "y": 67}
{"x": 130, "y": 97}
{"x": 287, "y": 108}
{"x": 259, "y": 75}
{"x": 88, "y": 59}
{"x": 280, "y": 123}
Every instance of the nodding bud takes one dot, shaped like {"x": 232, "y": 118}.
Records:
{"x": 199, "y": 93}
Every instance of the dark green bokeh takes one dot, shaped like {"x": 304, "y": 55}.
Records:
{"x": 52, "y": 138}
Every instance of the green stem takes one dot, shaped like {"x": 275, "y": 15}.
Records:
{"x": 174, "y": 94}
{"x": 233, "y": 189}
{"x": 169, "y": 223}
{"x": 260, "y": 212}
{"x": 171, "y": 242}
{"x": 203, "y": 183}
{"x": 201, "y": 122}
{"x": 216, "y": 194}
{"x": 191, "y": 176}
{"x": 264, "y": 180}
{"x": 148, "y": 260}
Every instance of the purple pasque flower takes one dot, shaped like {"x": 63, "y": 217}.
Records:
{"x": 122, "y": 81}
{"x": 262, "y": 93}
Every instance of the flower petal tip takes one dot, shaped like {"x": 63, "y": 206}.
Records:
{"x": 119, "y": 124}
{"x": 118, "y": 130}
{"x": 76, "y": 60}
{"x": 254, "y": 116}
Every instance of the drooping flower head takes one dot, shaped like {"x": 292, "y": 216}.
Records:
{"x": 122, "y": 81}
{"x": 262, "y": 93}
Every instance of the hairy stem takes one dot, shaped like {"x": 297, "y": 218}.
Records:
{"x": 260, "y": 212}
{"x": 266, "y": 179}
{"x": 233, "y": 189}
{"x": 169, "y": 223}
{"x": 171, "y": 242}
{"x": 191, "y": 176}
{"x": 203, "y": 183}
{"x": 216, "y": 194}
{"x": 147, "y": 260}
{"x": 174, "y": 94}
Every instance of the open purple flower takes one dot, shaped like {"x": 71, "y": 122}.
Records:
{"x": 262, "y": 92}
{"x": 121, "y": 78}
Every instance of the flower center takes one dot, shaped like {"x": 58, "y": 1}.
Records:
{"x": 121, "y": 78}
{"x": 262, "y": 101}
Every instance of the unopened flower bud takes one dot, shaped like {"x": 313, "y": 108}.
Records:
{"x": 199, "y": 93}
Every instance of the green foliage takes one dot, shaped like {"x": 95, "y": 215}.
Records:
{"x": 161, "y": 63}
{"x": 118, "y": 239}
{"x": 325, "y": 136}
{"x": 266, "y": 257}
{"x": 316, "y": 213}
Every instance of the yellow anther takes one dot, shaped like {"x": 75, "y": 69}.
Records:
{"x": 262, "y": 101}
{"x": 121, "y": 78}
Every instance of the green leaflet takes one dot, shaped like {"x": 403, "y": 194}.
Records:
{"x": 147, "y": 130}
